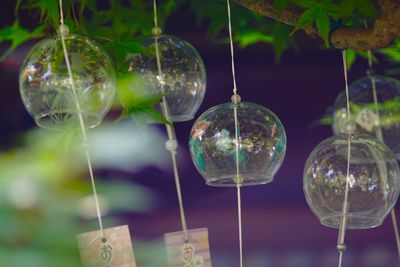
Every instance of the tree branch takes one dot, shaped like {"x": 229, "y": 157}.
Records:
{"x": 288, "y": 16}
{"x": 381, "y": 34}
{"x": 386, "y": 28}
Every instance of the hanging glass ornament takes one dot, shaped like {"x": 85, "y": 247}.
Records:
{"x": 183, "y": 78}
{"x": 237, "y": 144}
{"x": 373, "y": 183}
{"x": 174, "y": 70}
{"x": 46, "y": 89}
{"x": 381, "y": 119}
{"x": 261, "y": 148}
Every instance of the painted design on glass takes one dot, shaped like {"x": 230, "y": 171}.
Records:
{"x": 261, "y": 148}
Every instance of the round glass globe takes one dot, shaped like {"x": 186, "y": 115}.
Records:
{"x": 45, "y": 85}
{"x": 373, "y": 181}
{"x": 382, "y": 120}
{"x": 260, "y": 149}
{"x": 183, "y": 79}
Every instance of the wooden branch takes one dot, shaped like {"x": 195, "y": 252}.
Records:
{"x": 386, "y": 28}
{"x": 381, "y": 34}
{"x": 265, "y": 8}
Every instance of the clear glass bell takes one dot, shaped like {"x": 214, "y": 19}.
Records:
{"x": 373, "y": 181}
{"x": 253, "y": 160}
{"x": 45, "y": 85}
{"x": 382, "y": 120}
{"x": 183, "y": 79}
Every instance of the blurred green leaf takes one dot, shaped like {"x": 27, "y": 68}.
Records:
{"x": 280, "y": 5}
{"x": 350, "y": 58}
{"x": 136, "y": 101}
{"x": 44, "y": 233}
{"x": 330, "y": 8}
{"x": 17, "y": 7}
{"x": 121, "y": 50}
{"x": 282, "y": 40}
{"x": 17, "y": 35}
{"x": 49, "y": 11}
{"x": 144, "y": 108}
{"x": 90, "y": 4}
{"x": 392, "y": 52}
{"x": 252, "y": 37}
{"x": 347, "y": 7}
{"x": 367, "y": 8}
{"x": 306, "y": 18}
{"x": 323, "y": 26}
{"x": 325, "y": 120}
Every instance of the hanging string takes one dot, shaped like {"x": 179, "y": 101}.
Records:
{"x": 231, "y": 44}
{"x": 64, "y": 34}
{"x": 61, "y": 13}
{"x": 396, "y": 230}
{"x": 379, "y": 136}
{"x": 348, "y": 112}
{"x": 238, "y": 184}
{"x": 236, "y": 100}
{"x": 239, "y": 200}
{"x": 155, "y": 18}
{"x": 378, "y": 131}
{"x": 171, "y": 144}
{"x": 341, "y": 246}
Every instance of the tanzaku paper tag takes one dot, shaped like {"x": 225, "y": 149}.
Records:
{"x": 367, "y": 119}
{"x": 194, "y": 252}
{"x": 114, "y": 249}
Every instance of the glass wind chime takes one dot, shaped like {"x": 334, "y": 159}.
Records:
{"x": 68, "y": 82}
{"x": 175, "y": 71}
{"x": 375, "y": 102}
{"x": 238, "y": 143}
{"x": 351, "y": 180}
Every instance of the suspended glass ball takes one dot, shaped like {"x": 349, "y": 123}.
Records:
{"x": 382, "y": 120}
{"x": 373, "y": 184}
{"x": 45, "y": 85}
{"x": 183, "y": 79}
{"x": 256, "y": 156}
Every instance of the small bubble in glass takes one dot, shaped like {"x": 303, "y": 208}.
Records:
{"x": 252, "y": 160}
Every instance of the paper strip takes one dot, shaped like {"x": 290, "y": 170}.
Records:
{"x": 114, "y": 249}
{"x": 195, "y": 252}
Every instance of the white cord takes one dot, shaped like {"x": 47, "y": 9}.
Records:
{"x": 345, "y": 206}
{"x": 63, "y": 33}
{"x": 347, "y": 86}
{"x": 155, "y": 13}
{"x": 396, "y": 230}
{"x": 231, "y": 44}
{"x": 61, "y": 12}
{"x": 379, "y": 136}
{"x": 239, "y": 201}
{"x": 236, "y": 100}
{"x": 171, "y": 143}
{"x": 239, "y": 184}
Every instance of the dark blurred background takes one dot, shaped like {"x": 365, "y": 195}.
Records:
{"x": 278, "y": 227}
